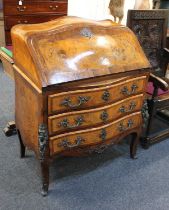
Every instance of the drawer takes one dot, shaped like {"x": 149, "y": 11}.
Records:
{"x": 83, "y": 119}
{"x": 36, "y": 7}
{"x": 81, "y": 99}
{"x": 28, "y": 19}
{"x": 92, "y": 136}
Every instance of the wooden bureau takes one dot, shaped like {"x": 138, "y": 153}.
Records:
{"x": 79, "y": 87}
{"x": 31, "y": 11}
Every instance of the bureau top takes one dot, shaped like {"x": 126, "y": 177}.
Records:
{"x": 70, "y": 48}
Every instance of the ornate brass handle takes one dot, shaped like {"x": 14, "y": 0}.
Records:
{"x": 65, "y": 123}
{"x": 106, "y": 96}
{"x": 103, "y": 134}
{"x": 21, "y": 9}
{"x": 53, "y": 7}
{"x": 122, "y": 127}
{"x": 125, "y": 90}
{"x": 67, "y": 144}
{"x": 25, "y": 21}
{"x": 123, "y": 109}
{"x": 104, "y": 116}
{"x": 81, "y": 101}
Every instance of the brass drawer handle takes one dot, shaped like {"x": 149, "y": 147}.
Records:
{"x": 122, "y": 127}
{"x": 104, "y": 116}
{"x": 25, "y": 21}
{"x": 106, "y": 96}
{"x": 67, "y": 144}
{"x": 21, "y": 9}
{"x": 132, "y": 106}
{"x": 65, "y": 123}
{"x": 53, "y": 7}
{"x": 125, "y": 90}
{"x": 103, "y": 134}
{"x": 81, "y": 100}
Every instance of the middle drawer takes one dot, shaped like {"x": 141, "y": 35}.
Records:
{"x": 29, "y": 19}
{"x": 86, "y": 118}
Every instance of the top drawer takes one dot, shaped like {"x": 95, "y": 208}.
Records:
{"x": 81, "y": 99}
{"x": 36, "y": 7}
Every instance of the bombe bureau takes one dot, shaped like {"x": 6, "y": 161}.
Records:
{"x": 80, "y": 87}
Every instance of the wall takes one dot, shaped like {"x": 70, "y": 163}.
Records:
{"x": 95, "y": 9}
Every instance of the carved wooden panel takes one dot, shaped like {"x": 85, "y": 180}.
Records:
{"x": 149, "y": 34}
{"x": 150, "y": 27}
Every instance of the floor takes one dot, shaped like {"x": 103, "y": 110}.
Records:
{"x": 109, "y": 181}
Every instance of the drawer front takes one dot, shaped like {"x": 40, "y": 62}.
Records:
{"x": 83, "y": 119}
{"x": 76, "y": 100}
{"x": 28, "y": 19}
{"x": 35, "y": 7}
{"x": 102, "y": 134}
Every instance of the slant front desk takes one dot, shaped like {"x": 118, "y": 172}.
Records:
{"x": 80, "y": 86}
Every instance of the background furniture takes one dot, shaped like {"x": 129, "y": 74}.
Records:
{"x": 2, "y": 35}
{"x": 165, "y": 5}
{"x": 31, "y": 11}
{"x": 150, "y": 28}
{"x": 77, "y": 101}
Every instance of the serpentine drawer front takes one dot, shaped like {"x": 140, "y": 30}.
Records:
{"x": 91, "y": 117}
{"x": 94, "y": 135}
{"x": 80, "y": 99}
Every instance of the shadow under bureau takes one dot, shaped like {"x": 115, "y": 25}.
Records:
{"x": 79, "y": 87}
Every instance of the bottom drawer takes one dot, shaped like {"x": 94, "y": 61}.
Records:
{"x": 94, "y": 135}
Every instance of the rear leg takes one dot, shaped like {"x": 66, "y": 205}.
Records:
{"x": 22, "y": 146}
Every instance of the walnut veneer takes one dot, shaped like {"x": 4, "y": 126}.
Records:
{"x": 80, "y": 86}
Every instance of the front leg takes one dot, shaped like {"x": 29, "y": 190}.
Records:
{"x": 44, "y": 157}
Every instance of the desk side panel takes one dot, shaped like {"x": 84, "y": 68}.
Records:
{"x": 28, "y": 111}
